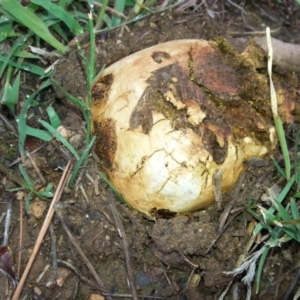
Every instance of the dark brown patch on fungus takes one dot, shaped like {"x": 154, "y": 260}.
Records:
{"x": 106, "y": 144}
{"x": 162, "y": 213}
{"x": 142, "y": 114}
{"x": 212, "y": 145}
{"x": 160, "y": 56}
{"x": 215, "y": 76}
{"x": 101, "y": 89}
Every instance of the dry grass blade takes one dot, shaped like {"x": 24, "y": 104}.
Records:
{"x": 20, "y": 238}
{"x": 37, "y": 169}
{"x": 122, "y": 234}
{"x": 80, "y": 252}
{"x": 225, "y": 214}
{"x": 274, "y": 106}
{"x": 58, "y": 193}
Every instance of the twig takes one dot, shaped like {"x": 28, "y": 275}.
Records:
{"x": 292, "y": 286}
{"x": 222, "y": 226}
{"x": 32, "y": 152}
{"x": 107, "y": 216}
{"x": 58, "y": 193}
{"x": 260, "y": 32}
{"x": 8, "y": 124}
{"x": 237, "y": 6}
{"x": 263, "y": 12}
{"x": 101, "y": 286}
{"x": 85, "y": 196}
{"x": 79, "y": 178}
{"x": 131, "y": 296}
{"x": 54, "y": 257}
{"x": 37, "y": 169}
{"x": 81, "y": 37}
{"x": 140, "y": 17}
{"x": 2, "y": 216}
{"x": 42, "y": 274}
{"x": 12, "y": 177}
{"x": 189, "y": 280}
{"x": 7, "y": 222}
{"x": 122, "y": 234}
{"x": 65, "y": 264}
{"x": 230, "y": 205}
{"x": 20, "y": 238}
{"x": 95, "y": 182}
{"x": 111, "y": 10}
{"x": 279, "y": 280}
{"x": 8, "y": 276}
{"x": 195, "y": 267}
{"x": 217, "y": 187}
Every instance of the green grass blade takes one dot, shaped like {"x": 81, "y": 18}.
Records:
{"x": 280, "y": 198}
{"x": 5, "y": 99}
{"x": 17, "y": 43}
{"x": 25, "y": 54}
{"x": 119, "y": 195}
{"x": 31, "y": 21}
{"x": 60, "y": 138}
{"x": 286, "y": 190}
{"x": 81, "y": 161}
{"x": 16, "y": 89}
{"x": 297, "y": 295}
{"x": 47, "y": 193}
{"x": 6, "y": 29}
{"x": 294, "y": 209}
{"x": 21, "y": 120}
{"x": 292, "y": 232}
{"x": 297, "y": 159}
{"x": 53, "y": 117}
{"x": 91, "y": 66}
{"x": 34, "y": 69}
{"x": 283, "y": 146}
{"x": 25, "y": 176}
{"x": 260, "y": 267}
{"x": 274, "y": 107}
{"x": 98, "y": 75}
{"x": 298, "y": 2}
{"x": 284, "y": 239}
{"x": 138, "y": 6}
{"x": 60, "y": 31}
{"x": 119, "y": 6}
{"x": 101, "y": 15}
{"x": 284, "y": 215}
{"x": 279, "y": 169}
{"x": 27, "y": 202}
{"x": 79, "y": 103}
{"x": 49, "y": 187}
{"x": 107, "y": 20}
{"x": 13, "y": 94}
{"x": 38, "y": 133}
{"x": 61, "y": 14}
{"x": 64, "y": 3}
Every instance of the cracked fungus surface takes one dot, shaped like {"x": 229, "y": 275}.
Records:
{"x": 167, "y": 117}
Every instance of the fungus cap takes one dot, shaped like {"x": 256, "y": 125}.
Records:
{"x": 167, "y": 118}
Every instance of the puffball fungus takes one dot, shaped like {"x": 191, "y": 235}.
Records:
{"x": 170, "y": 116}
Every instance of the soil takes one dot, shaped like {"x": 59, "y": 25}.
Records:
{"x": 172, "y": 257}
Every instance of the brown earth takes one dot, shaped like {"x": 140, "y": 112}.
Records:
{"x": 182, "y": 257}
